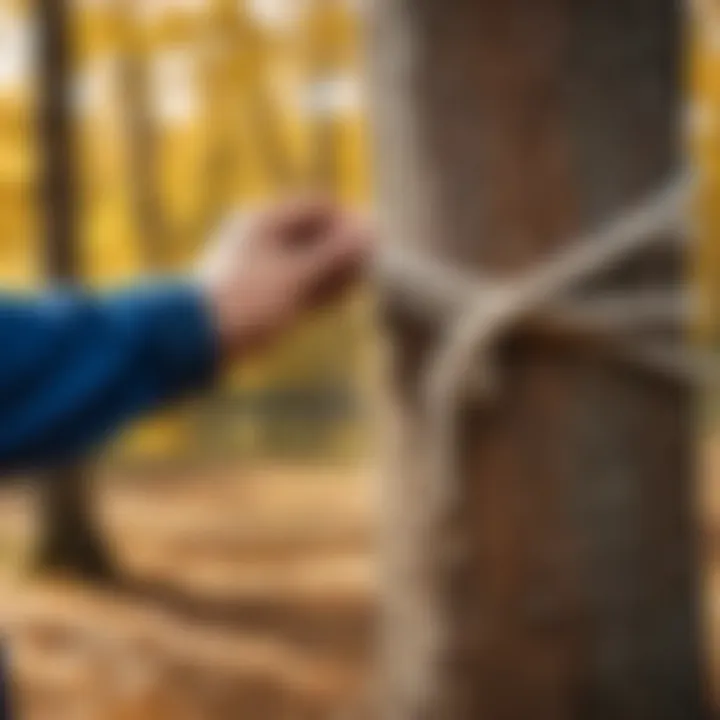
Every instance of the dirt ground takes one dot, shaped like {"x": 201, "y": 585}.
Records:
{"x": 247, "y": 594}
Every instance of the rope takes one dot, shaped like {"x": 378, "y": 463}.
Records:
{"x": 482, "y": 311}
{"x": 437, "y": 291}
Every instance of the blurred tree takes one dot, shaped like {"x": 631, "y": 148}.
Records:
{"x": 704, "y": 148}
{"x": 141, "y": 137}
{"x": 326, "y": 44}
{"x": 562, "y": 584}
{"x": 241, "y": 120}
{"x": 223, "y": 44}
{"x": 263, "y": 114}
{"x": 69, "y": 540}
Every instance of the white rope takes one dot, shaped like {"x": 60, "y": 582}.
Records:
{"x": 480, "y": 308}
{"x": 491, "y": 312}
{"x": 485, "y": 310}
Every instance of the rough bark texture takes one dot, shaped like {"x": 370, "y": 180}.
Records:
{"x": 69, "y": 540}
{"x": 501, "y": 129}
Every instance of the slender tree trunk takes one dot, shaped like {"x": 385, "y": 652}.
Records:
{"x": 141, "y": 138}
{"x": 502, "y": 128}
{"x": 69, "y": 540}
{"x": 323, "y": 69}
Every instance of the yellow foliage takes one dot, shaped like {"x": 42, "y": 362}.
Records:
{"x": 703, "y": 138}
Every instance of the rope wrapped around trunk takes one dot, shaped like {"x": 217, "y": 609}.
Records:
{"x": 478, "y": 312}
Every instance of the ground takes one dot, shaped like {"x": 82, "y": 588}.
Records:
{"x": 244, "y": 594}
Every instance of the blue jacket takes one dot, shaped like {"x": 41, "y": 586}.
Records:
{"x": 75, "y": 366}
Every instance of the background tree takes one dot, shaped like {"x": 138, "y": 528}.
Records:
{"x": 69, "y": 538}
{"x": 135, "y": 101}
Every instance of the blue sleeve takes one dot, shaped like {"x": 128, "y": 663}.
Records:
{"x": 75, "y": 366}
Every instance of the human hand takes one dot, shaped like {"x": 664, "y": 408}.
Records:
{"x": 265, "y": 270}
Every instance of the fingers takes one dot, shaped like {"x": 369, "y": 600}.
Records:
{"x": 304, "y": 221}
{"x": 338, "y": 259}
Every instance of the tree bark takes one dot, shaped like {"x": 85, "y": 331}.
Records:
{"x": 502, "y": 128}
{"x": 69, "y": 540}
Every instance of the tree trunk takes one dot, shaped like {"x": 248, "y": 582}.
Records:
{"x": 70, "y": 540}
{"x": 141, "y": 140}
{"x": 502, "y": 128}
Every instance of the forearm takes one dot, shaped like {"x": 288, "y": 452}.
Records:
{"x": 75, "y": 366}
